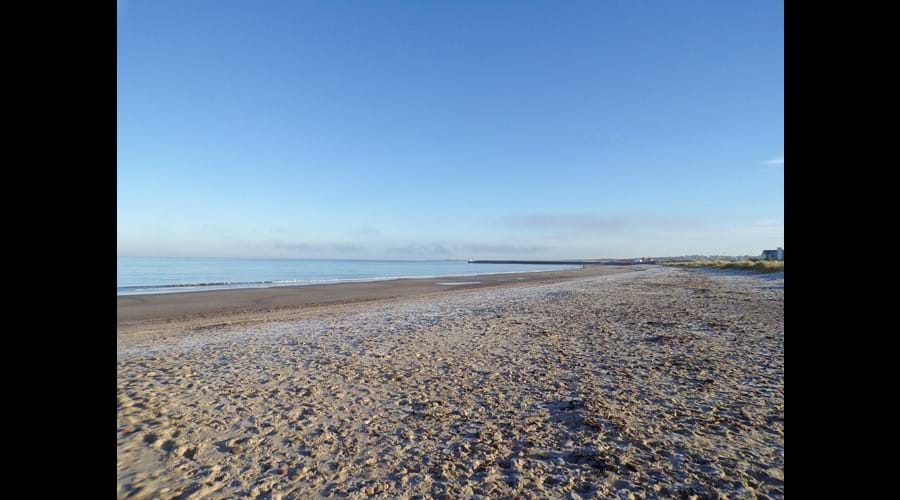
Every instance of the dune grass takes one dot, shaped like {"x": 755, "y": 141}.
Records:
{"x": 759, "y": 266}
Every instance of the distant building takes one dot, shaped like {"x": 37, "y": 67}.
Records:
{"x": 777, "y": 254}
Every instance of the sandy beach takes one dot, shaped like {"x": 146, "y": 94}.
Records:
{"x": 165, "y": 312}
{"x": 641, "y": 382}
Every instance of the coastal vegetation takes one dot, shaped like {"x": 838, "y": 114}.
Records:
{"x": 759, "y": 266}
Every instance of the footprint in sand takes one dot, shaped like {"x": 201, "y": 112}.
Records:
{"x": 187, "y": 451}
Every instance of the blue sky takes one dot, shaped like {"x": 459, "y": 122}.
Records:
{"x": 410, "y": 129}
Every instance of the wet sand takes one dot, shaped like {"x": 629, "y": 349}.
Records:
{"x": 652, "y": 384}
{"x": 162, "y": 312}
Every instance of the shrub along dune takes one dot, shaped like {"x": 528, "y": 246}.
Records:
{"x": 759, "y": 266}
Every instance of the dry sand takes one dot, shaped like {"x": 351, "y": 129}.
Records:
{"x": 656, "y": 383}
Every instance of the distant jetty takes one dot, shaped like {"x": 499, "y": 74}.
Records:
{"x": 588, "y": 262}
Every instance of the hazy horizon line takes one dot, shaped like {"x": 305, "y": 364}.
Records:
{"x": 421, "y": 260}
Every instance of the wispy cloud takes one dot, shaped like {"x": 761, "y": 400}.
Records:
{"x": 772, "y": 223}
{"x": 503, "y": 249}
{"x": 614, "y": 223}
{"x": 279, "y": 248}
{"x": 317, "y": 248}
{"x": 419, "y": 250}
{"x": 365, "y": 231}
{"x": 775, "y": 161}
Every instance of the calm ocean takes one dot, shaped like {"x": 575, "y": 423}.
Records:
{"x": 161, "y": 275}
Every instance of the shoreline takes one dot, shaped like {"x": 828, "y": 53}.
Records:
{"x": 252, "y": 285}
{"x": 176, "y": 310}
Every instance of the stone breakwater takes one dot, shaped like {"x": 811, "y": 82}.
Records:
{"x": 656, "y": 383}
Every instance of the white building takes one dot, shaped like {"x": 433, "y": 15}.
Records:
{"x": 777, "y": 254}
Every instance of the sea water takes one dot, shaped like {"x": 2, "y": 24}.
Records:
{"x": 138, "y": 275}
